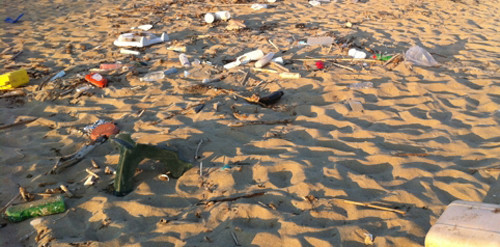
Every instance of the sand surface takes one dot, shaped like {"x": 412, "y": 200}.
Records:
{"x": 412, "y": 146}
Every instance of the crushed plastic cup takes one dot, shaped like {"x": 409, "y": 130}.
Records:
{"x": 419, "y": 56}
{"x": 357, "y": 54}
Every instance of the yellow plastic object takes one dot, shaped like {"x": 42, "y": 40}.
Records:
{"x": 14, "y": 79}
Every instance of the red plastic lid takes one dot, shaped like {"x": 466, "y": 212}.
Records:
{"x": 320, "y": 65}
{"x": 105, "y": 129}
{"x": 96, "y": 79}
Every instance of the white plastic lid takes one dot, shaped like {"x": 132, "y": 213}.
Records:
{"x": 209, "y": 18}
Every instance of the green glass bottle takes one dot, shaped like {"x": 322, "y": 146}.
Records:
{"x": 46, "y": 206}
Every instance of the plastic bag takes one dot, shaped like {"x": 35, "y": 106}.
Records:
{"x": 419, "y": 56}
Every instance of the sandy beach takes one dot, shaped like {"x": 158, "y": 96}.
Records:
{"x": 416, "y": 140}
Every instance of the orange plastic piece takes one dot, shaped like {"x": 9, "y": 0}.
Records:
{"x": 106, "y": 129}
{"x": 97, "y": 79}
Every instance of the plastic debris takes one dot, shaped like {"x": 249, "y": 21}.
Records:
{"x": 96, "y": 79}
{"x": 315, "y": 3}
{"x": 143, "y": 27}
{"x": 87, "y": 129}
{"x": 183, "y": 59}
{"x": 219, "y": 16}
{"x": 14, "y": 79}
{"x": 131, "y": 154}
{"x": 258, "y": 6}
{"x": 142, "y": 39}
{"x": 43, "y": 207}
{"x": 356, "y": 106}
{"x": 320, "y": 65}
{"x": 106, "y": 129}
{"x": 153, "y": 76}
{"x": 419, "y": 56}
{"x": 129, "y": 52}
{"x": 289, "y": 75}
{"x": 272, "y": 98}
{"x": 10, "y": 20}
{"x": 357, "y": 53}
{"x": 264, "y": 60}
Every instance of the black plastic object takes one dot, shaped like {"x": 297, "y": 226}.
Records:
{"x": 272, "y": 98}
{"x": 131, "y": 154}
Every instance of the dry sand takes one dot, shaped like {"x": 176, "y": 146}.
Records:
{"x": 448, "y": 115}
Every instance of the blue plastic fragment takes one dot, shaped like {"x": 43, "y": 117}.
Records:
{"x": 226, "y": 167}
{"x": 10, "y": 20}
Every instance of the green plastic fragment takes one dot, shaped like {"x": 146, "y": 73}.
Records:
{"x": 43, "y": 207}
{"x": 383, "y": 58}
{"x": 131, "y": 154}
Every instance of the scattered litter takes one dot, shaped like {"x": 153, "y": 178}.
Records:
{"x": 177, "y": 48}
{"x": 171, "y": 71}
{"x": 14, "y": 79}
{"x": 289, "y": 75}
{"x": 315, "y": 3}
{"x": 264, "y": 60}
{"x": 320, "y": 65}
{"x": 369, "y": 238}
{"x": 10, "y": 20}
{"x": 419, "y": 56}
{"x": 272, "y": 98}
{"x": 87, "y": 129}
{"x": 382, "y": 57}
{"x": 357, "y": 53}
{"x": 278, "y": 60}
{"x": 245, "y": 58}
{"x": 129, "y": 52}
{"x": 183, "y": 59}
{"x": 259, "y": 6}
{"x": 219, "y": 16}
{"x": 153, "y": 76}
{"x": 42, "y": 207}
{"x": 83, "y": 88}
{"x": 143, "y": 27}
{"x": 131, "y": 154}
{"x": 58, "y": 75}
{"x": 96, "y": 79}
{"x": 142, "y": 39}
{"x": 106, "y": 129}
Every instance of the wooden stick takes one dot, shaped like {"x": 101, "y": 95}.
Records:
{"x": 26, "y": 121}
{"x": 258, "y": 122}
{"x": 492, "y": 167}
{"x": 66, "y": 190}
{"x": 279, "y": 66}
{"x": 266, "y": 70}
{"x": 16, "y": 55}
{"x": 234, "y": 198}
{"x": 369, "y": 205}
{"x": 344, "y": 67}
{"x": 276, "y": 47}
{"x": 91, "y": 173}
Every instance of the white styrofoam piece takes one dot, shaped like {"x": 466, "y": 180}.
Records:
{"x": 466, "y": 224}
{"x": 134, "y": 40}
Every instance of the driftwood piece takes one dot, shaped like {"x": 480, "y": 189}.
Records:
{"x": 21, "y": 122}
